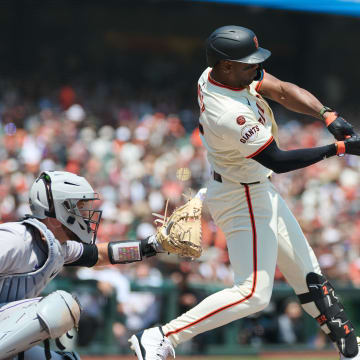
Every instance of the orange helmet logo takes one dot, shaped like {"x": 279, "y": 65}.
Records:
{"x": 256, "y": 42}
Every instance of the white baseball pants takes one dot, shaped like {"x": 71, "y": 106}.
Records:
{"x": 260, "y": 232}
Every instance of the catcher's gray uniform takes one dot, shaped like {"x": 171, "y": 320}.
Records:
{"x": 27, "y": 264}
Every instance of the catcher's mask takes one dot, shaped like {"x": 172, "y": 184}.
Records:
{"x": 68, "y": 198}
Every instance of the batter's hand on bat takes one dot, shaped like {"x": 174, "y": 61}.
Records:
{"x": 349, "y": 146}
{"x": 338, "y": 126}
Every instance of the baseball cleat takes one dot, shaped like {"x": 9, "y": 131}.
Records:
{"x": 151, "y": 344}
{"x": 357, "y": 357}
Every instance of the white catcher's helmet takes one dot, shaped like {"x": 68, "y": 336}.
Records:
{"x": 68, "y": 198}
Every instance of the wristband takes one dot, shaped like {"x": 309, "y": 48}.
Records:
{"x": 340, "y": 148}
{"x": 323, "y": 110}
{"x": 123, "y": 252}
{"x": 147, "y": 247}
{"x": 330, "y": 118}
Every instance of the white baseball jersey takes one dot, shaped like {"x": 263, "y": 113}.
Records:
{"x": 260, "y": 230}
{"x": 26, "y": 263}
{"x": 237, "y": 124}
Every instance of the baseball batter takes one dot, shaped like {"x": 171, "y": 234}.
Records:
{"x": 240, "y": 134}
{"x": 35, "y": 249}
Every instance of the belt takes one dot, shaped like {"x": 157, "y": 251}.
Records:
{"x": 218, "y": 178}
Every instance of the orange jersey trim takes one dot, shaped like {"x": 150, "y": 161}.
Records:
{"x": 258, "y": 86}
{"x": 216, "y": 83}
{"x": 340, "y": 148}
{"x": 253, "y": 227}
{"x": 258, "y": 151}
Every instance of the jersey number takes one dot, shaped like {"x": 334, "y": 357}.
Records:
{"x": 201, "y": 99}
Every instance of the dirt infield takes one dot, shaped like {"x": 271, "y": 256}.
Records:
{"x": 300, "y": 355}
{"x": 274, "y": 355}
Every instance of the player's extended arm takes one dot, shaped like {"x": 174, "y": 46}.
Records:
{"x": 302, "y": 101}
{"x": 281, "y": 161}
{"x": 180, "y": 234}
{"x": 123, "y": 252}
{"x": 117, "y": 252}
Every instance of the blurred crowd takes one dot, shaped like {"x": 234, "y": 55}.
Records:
{"x": 131, "y": 151}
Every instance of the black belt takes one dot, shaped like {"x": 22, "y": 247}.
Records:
{"x": 218, "y": 178}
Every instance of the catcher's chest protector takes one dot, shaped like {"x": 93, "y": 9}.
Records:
{"x": 28, "y": 285}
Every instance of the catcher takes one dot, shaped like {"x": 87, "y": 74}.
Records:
{"x": 34, "y": 250}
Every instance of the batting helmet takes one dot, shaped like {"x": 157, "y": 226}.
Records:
{"x": 234, "y": 43}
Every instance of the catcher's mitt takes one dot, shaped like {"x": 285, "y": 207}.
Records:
{"x": 181, "y": 232}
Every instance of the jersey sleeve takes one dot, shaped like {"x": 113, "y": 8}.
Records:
{"x": 73, "y": 251}
{"x": 244, "y": 132}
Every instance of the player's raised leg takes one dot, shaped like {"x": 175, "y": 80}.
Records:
{"x": 298, "y": 263}
{"x": 252, "y": 249}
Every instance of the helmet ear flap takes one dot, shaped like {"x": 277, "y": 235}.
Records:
{"x": 47, "y": 183}
{"x": 40, "y": 197}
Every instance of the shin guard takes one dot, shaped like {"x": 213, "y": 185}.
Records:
{"x": 32, "y": 321}
{"x": 332, "y": 319}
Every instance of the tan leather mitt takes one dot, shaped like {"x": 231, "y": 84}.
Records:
{"x": 181, "y": 232}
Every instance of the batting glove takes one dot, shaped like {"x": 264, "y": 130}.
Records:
{"x": 348, "y": 146}
{"x": 338, "y": 126}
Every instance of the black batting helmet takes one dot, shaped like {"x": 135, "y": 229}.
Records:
{"x": 234, "y": 43}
